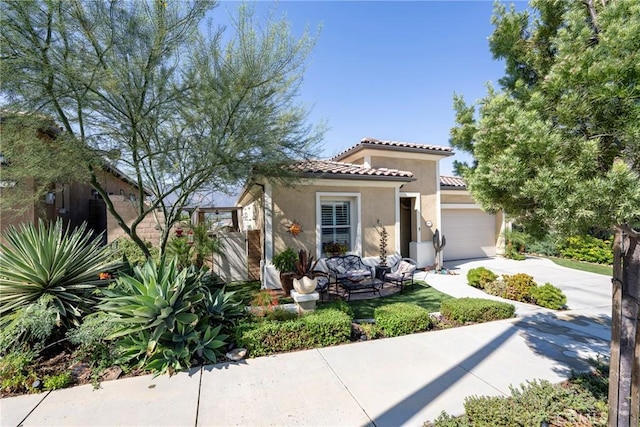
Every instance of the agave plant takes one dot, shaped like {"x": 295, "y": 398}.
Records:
{"x": 51, "y": 260}
{"x": 167, "y": 316}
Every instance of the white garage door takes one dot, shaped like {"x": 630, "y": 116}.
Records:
{"x": 470, "y": 233}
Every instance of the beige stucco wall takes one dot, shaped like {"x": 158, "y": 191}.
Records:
{"x": 299, "y": 204}
{"x": 426, "y": 180}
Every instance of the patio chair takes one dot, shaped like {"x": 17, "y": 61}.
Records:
{"x": 401, "y": 273}
{"x": 323, "y": 283}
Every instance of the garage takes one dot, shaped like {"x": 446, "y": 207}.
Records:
{"x": 470, "y": 233}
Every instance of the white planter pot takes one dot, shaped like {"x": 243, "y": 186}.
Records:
{"x": 305, "y": 285}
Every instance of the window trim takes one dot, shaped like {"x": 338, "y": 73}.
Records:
{"x": 356, "y": 227}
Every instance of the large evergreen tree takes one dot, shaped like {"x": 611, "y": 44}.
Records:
{"x": 143, "y": 85}
{"x": 557, "y": 146}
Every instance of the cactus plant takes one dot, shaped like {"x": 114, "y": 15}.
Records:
{"x": 438, "y": 245}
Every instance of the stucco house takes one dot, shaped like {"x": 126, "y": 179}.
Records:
{"x": 397, "y": 184}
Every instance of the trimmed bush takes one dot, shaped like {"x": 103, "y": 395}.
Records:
{"x": 402, "y": 319}
{"x": 518, "y": 287}
{"x": 549, "y": 296}
{"x": 480, "y": 277}
{"x": 587, "y": 248}
{"x": 497, "y": 288}
{"x": 476, "y": 310}
{"x": 318, "y": 329}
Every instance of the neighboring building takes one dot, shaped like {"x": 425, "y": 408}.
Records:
{"x": 75, "y": 202}
{"x": 342, "y": 199}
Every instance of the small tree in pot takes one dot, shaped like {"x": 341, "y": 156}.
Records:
{"x": 285, "y": 263}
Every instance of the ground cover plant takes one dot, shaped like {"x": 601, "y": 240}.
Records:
{"x": 421, "y": 294}
{"x": 579, "y": 401}
{"x": 479, "y": 277}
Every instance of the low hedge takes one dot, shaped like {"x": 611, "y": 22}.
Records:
{"x": 479, "y": 277}
{"x": 549, "y": 296}
{"x": 476, "y": 310}
{"x": 318, "y": 329}
{"x": 402, "y": 319}
{"x": 587, "y": 248}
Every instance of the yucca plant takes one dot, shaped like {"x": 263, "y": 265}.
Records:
{"x": 48, "y": 259}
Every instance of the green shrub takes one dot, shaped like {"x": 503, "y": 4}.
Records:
{"x": 581, "y": 401}
{"x": 91, "y": 340}
{"x": 30, "y": 327}
{"x": 168, "y": 318}
{"x": 587, "y": 248}
{"x": 549, "y": 296}
{"x": 547, "y": 247}
{"x": 55, "y": 382}
{"x": 340, "y": 305}
{"x": 49, "y": 260}
{"x": 317, "y": 329}
{"x": 280, "y": 314}
{"x": 402, "y": 319}
{"x": 480, "y": 276}
{"x": 16, "y": 376}
{"x": 518, "y": 287}
{"x": 464, "y": 310}
{"x": 371, "y": 330}
{"x": 497, "y": 288}
{"x": 125, "y": 249}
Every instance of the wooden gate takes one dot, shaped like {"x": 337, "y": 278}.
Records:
{"x": 254, "y": 253}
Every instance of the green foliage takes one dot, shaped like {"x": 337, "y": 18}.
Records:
{"x": 570, "y": 90}
{"x": 371, "y": 330}
{"x": 180, "y": 249}
{"x": 580, "y": 401}
{"x": 167, "y": 318}
{"x": 480, "y": 276}
{"x": 285, "y": 261}
{"x": 340, "y": 305}
{"x": 497, "y": 288}
{"x": 518, "y": 287}
{"x": 587, "y": 248}
{"x": 55, "y": 382}
{"x": 125, "y": 249}
{"x": 280, "y": 315}
{"x": 402, "y": 319}
{"x": 16, "y": 375}
{"x": 91, "y": 340}
{"x": 549, "y": 296}
{"x": 304, "y": 265}
{"x": 29, "y": 327}
{"x": 247, "y": 79}
{"x": 464, "y": 310}
{"x": 320, "y": 328}
{"x": 515, "y": 247}
{"x": 546, "y": 246}
{"x": 49, "y": 260}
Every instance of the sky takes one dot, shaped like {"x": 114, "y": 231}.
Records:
{"x": 388, "y": 70}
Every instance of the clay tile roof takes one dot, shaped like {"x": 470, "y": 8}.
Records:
{"x": 395, "y": 145}
{"x": 332, "y": 169}
{"x": 452, "y": 183}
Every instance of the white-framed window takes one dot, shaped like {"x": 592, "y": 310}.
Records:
{"x": 335, "y": 223}
{"x": 338, "y": 221}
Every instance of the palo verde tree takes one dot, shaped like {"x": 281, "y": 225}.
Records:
{"x": 142, "y": 85}
{"x": 557, "y": 147}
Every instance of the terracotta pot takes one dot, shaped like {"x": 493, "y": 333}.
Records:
{"x": 286, "y": 281}
{"x": 305, "y": 285}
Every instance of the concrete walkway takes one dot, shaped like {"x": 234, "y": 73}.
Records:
{"x": 390, "y": 382}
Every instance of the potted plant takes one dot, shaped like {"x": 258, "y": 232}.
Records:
{"x": 304, "y": 281}
{"x": 334, "y": 248}
{"x": 382, "y": 268}
{"x": 285, "y": 263}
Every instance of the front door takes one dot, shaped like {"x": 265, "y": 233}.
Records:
{"x": 407, "y": 220}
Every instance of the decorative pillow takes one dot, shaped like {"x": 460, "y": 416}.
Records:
{"x": 405, "y": 267}
{"x": 359, "y": 273}
{"x": 341, "y": 269}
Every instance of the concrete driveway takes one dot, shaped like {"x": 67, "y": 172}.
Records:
{"x": 389, "y": 382}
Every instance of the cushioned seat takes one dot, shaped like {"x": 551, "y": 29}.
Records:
{"x": 401, "y": 273}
